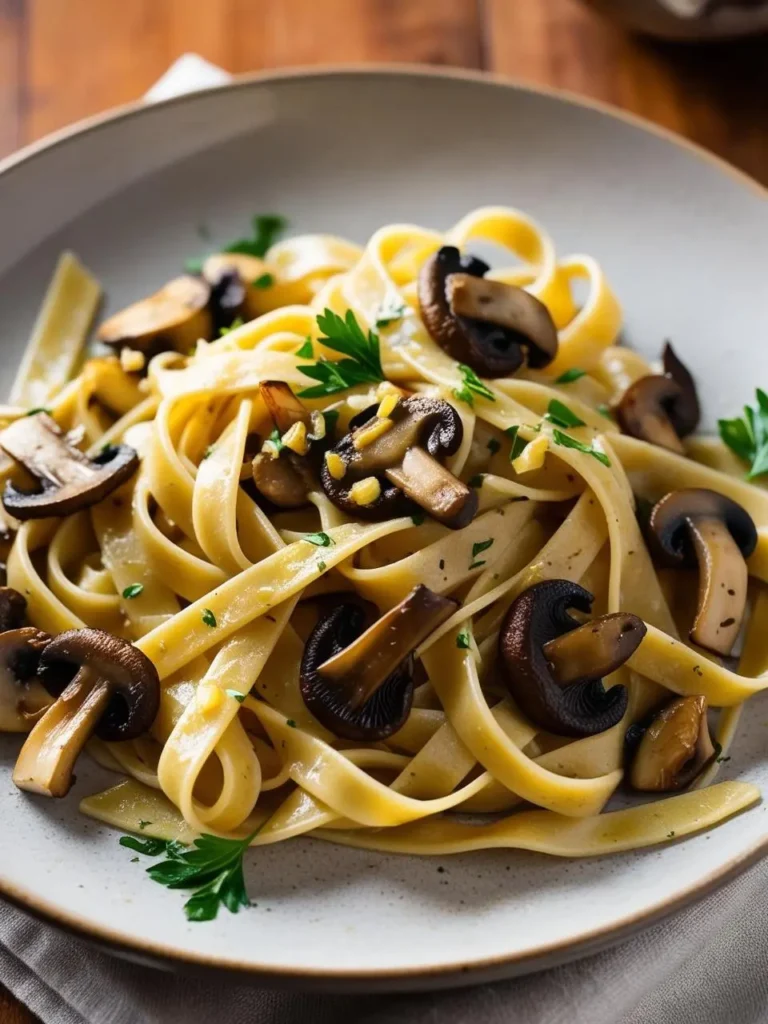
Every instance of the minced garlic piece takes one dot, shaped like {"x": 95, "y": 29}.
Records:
{"x": 336, "y": 465}
{"x": 131, "y": 360}
{"x": 208, "y": 697}
{"x": 387, "y": 405}
{"x": 318, "y": 426}
{"x": 532, "y": 456}
{"x": 371, "y": 432}
{"x": 296, "y": 439}
{"x": 365, "y": 492}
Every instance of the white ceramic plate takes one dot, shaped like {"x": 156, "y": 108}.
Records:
{"x": 684, "y": 240}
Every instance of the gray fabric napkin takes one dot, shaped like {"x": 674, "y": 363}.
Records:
{"x": 704, "y": 965}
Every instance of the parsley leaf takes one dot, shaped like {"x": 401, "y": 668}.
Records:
{"x": 363, "y": 365}
{"x": 748, "y": 437}
{"x": 209, "y": 451}
{"x": 471, "y": 385}
{"x": 322, "y": 566}
{"x": 239, "y": 697}
{"x": 575, "y": 373}
{"x": 570, "y": 442}
{"x": 36, "y": 410}
{"x": 276, "y": 440}
{"x": 133, "y": 590}
{"x": 267, "y": 228}
{"x": 418, "y": 518}
{"x": 208, "y": 617}
{"x": 213, "y": 867}
{"x": 263, "y": 281}
{"x": 237, "y": 322}
{"x": 562, "y": 416}
{"x": 306, "y": 351}
{"x": 331, "y": 417}
{"x": 390, "y": 310}
{"x": 291, "y": 723}
{"x": 477, "y": 549}
{"x": 320, "y": 540}
{"x": 462, "y": 640}
{"x": 518, "y": 444}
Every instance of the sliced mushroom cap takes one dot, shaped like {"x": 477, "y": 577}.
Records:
{"x": 115, "y": 693}
{"x": 21, "y": 695}
{"x": 69, "y": 480}
{"x": 645, "y": 411}
{"x": 403, "y": 452}
{"x": 175, "y": 317}
{"x": 698, "y": 527}
{"x": 281, "y": 479}
{"x": 485, "y": 324}
{"x": 231, "y": 276}
{"x": 675, "y": 749}
{"x": 286, "y": 477}
{"x": 685, "y": 411}
{"x": 359, "y": 683}
{"x": 557, "y": 683}
{"x": 12, "y": 608}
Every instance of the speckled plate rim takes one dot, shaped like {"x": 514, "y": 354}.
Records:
{"x": 452, "y": 973}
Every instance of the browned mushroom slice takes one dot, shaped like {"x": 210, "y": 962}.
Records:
{"x": 281, "y": 479}
{"x": 12, "y": 608}
{"x": 698, "y": 527}
{"x": 685, "y": 412}
{"x": 359, "y": 684}
{"x": 402, "y": 451}
{"x": 232, "y": 277}
{"x": 177, "y": 315}
{"x": 22, "y": 696}
{"x": 675, "y": 749}
{"x": 69, "y": 480}
{"x": 568, "y": 699}
{"x": 485, "y": 324}
{"x": 644, "y": 411}
{"x": 115, "y": 693}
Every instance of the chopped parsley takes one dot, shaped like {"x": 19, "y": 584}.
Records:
{"x": 575, "y": 373}
{"x": 208, "y": 617}
{"x": 239, "y": 697}
{"x": 276, "y": 440}
{"x": 671, "y": 835}
{"x": 212, "y": 868}
{"x": 478, "y": 549}
{"x": 471, "y": 385}
{"x": 37, "y": 409}
{"x": 748, "y": 436}
{"x": 237, "y": 322}
{"x": 462, "y": 640}
{"x": 290, "y": 723}
{"x": 493, "y": 446}
{"x": 322, "y": 566}
{"x": 133, "y": 590}
{"x": 570, "y": 442}
{"x": 331, "y": 417}
{"x": 266, "y": 229}
{"x": 518, "y": 444}
{"x": 363, "y": 362}
{"x": 562, "y": 416}
{"x": 320, "y": 540}
{"x": 263, "y": 281}
{"x": 391, "y": 309}
{"x": 143, "y": 824}
{"x": 209, "y": 451}
{"x": 418, "y": 518}
{"x": 306, "y": 351}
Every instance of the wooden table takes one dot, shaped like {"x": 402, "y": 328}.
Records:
{"x": 63, "y": 59}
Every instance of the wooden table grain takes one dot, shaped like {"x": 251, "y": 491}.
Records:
{"x": 61, "y": 60}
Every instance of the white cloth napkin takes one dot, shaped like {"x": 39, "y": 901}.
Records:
{"x": 704, "y": 965}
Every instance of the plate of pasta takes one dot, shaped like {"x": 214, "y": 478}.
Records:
{"x": 385, "y": 551}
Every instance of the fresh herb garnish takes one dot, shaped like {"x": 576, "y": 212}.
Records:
{"x": 208, "y": 617}
{"x": 143, "y": 824}
{"x": 306, "y": 351}
{"x": 276, "y": 440}
{"x": 331, "y": 417}
{"x": 213, "y": 867}
{"x": 290, "y": 722}
{"x": 562, "y": 416}
{"x": 570, "y": 375}
{"x": 570, "y": 442}
{"x": 36, "y": 410}
{"x": 263, "y": 281}
{"x": 477, "y": 549}
{"x": 239, "y": 697}
{"x": 363, "y": 365}
{"x": 518, "y": 444}
{"x": 390, "y": 310}
{"x": 237, "y": 322}
{"x": 462, "y": 640}
{"x": 605, "y": 410}
{"x": 322, "y": 566}
{"x": 267, "y": 228}
{"x": 748, "y": 437}
{"x": 133, "y": 590}
{"x": 209, "y": 451}
{"x": 320, "y": 540}
{"x": 418, "y": 518}
{"x": 471, "y": 385}
{"x": 493, "y": 446}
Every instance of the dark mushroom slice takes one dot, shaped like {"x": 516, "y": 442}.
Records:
{"x": 115, "y": 694}
{"x": 569, "y": 700}
{"x": 22, "y": 696}
{"x": 684, "y": 411}
{"x": 234, "y": 293}
{"x": 358, "y": 682}
{"x": 283, "y": 479}
{"x": 176, "y": 316}
{"x": 402, "y": 453}
{"x": 69, "y": 480}
{"x": 12, "y": 609}
{"x": 645, "y": 411}
{"x": 485, "y": 324}
{"x": 675, "y": 748}
{"x": 696, "y": 527}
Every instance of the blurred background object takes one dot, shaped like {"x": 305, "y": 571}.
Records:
{"x": 689, "y": 19}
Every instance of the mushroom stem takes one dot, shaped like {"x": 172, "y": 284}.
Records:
{"x": 433, "y": 487}
{"x": 47, "y": 758}
{"x": 595, "y": 649}
{"x": 362, "y": 667}
{"x": 723, "y": 578}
